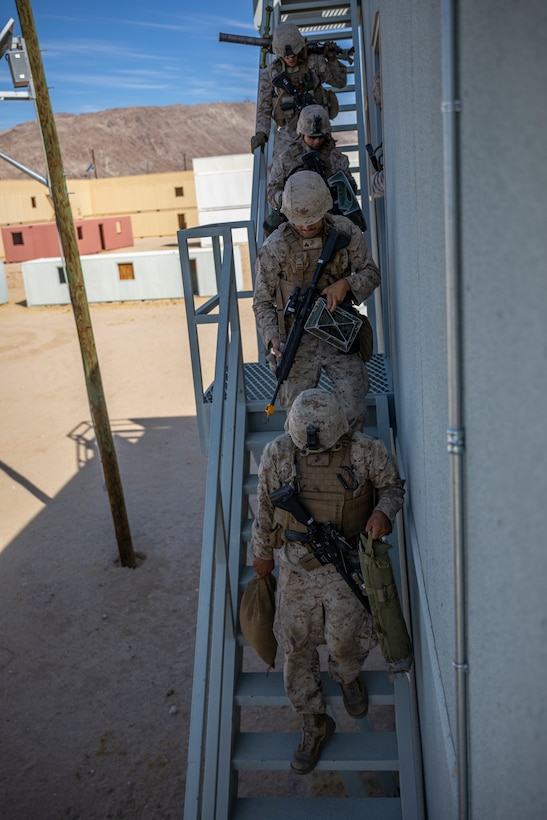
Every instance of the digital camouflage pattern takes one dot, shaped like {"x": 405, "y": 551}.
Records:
{"x": 314, "y": 608}
{"x": 317, "y": 606}
{"x": 313, "y": 71}
{"x": 306, "y": 198}
{"x": 313, "y": 122}
{"x": 377, "y": 88}
{"x": 291, "y": 159}
{"x": 277, "y": 260}
{"x": 287, "y": 40}
{"x": 347, "y": 373}
{"x": 328, "y": 418}
{"x": 286, "y": 257}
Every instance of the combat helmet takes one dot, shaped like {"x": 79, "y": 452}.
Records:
{"x": 313, "y": 122}
{"x": 316, "y": 420}
{"x": 306, "y": 198}
{"x": 287, "y": 40}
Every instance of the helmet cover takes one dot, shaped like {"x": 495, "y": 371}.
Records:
{"x": 316, "y": 420}
{"x": 306, "y": 198}
{"x": 313, "y": 122}
{"x": 287, "y": 40}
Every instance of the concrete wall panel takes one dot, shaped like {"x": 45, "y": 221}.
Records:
{"x": 502, "y": 64}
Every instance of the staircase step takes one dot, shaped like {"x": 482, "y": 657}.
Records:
{"x": 323, "y": 808}
{"x": 345, "y": 751}
{"x": 250, "y": 484}
{"x": 246, "y": 530}
{"x": 258, "y": 440}
{"x": 261, "y": 689}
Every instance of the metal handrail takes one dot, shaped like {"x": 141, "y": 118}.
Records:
{"x": 216, "y": 616}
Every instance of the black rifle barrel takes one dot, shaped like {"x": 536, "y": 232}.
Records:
{"x": 312, "y": 48}
{"x": 263, "y": 42}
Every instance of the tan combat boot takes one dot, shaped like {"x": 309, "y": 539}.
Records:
{"x": 355, "y": 698}
{"x": 316, "y": 730}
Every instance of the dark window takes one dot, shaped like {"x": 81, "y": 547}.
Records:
{"x": 179, "y": 191}
{"x": 125, "y": 270}
{"x": 62, "y": 277}
{"x": 33, "y": 201}
{"x": 80, "y": 232}
{"x": 17, "y": 238}
{"x": 182, "y": 221}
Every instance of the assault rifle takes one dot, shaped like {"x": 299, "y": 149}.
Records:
{"x": 300, "y": 98}
{"x": 328, "y": 48}
{"x": 327, "y": 544}
{"x": 301, "y": 309}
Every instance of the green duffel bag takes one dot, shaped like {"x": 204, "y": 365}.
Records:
{"x": 384, "y": 602}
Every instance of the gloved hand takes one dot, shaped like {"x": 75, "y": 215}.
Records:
{"x": 259, "y": 139}
{"x": 262, "y": 566}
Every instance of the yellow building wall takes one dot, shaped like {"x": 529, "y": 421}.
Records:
{"x": 158, "y": 204}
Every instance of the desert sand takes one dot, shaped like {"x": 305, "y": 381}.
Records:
{"x": 95, "y": 659}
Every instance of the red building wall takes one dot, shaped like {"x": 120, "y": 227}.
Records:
{"x": 40, "y": 241}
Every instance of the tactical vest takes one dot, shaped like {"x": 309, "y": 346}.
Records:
{"x": 326, "y": 487}
{"x": 300, "y": 266}
{"x": 303, "y": 79}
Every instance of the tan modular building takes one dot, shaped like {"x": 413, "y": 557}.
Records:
{"x": 158, "y": 204}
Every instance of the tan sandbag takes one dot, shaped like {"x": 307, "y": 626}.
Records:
{"x": 256, "y": 616}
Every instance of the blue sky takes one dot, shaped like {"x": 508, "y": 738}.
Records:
{"x": 119, "y": 53}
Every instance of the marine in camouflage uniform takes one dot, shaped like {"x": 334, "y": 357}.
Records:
{"x": 314, "y": 140}
{"x": 288, "y": 258}
{"x": 316, "y": 606}
{"x": 307, "y": 72}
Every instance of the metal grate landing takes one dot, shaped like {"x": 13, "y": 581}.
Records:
{"x": 259, "y": 381}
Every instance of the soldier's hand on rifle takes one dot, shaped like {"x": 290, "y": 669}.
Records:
{"x": 379, "y": 524}
{"x": 262, "y": 566}
{"x": 258, "y": 141}
{"x": 275, "y": 348}
{"x": 336, "y": 293}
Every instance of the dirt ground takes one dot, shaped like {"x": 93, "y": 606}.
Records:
{"x": 96, "y": 660}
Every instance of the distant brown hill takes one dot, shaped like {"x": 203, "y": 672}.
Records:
{"x": 127, "y": 141}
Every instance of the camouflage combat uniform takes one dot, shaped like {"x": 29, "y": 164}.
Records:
{"x": 310, "y": 73}
{"x": 291, "y": 160}
{"x": 287, "y": 259}
{"x": 317, "y": 606}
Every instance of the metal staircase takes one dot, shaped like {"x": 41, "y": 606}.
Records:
{"x": 243, "y": 731}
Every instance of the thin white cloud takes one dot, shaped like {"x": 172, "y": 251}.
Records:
{"x": 118, "y": 80}
{"x": 205, "y": 21}
{"x": 83, "y": 49}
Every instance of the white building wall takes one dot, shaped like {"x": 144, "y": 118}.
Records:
{"x": 502, "y": 62}
{"x": 157, "y": 276}
{"x": 224, "y": 189}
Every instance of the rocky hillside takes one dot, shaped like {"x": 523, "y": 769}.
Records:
{"x": 126, "y": 141}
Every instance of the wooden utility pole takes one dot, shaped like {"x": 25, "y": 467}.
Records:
{"x": 78, "y": 297}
